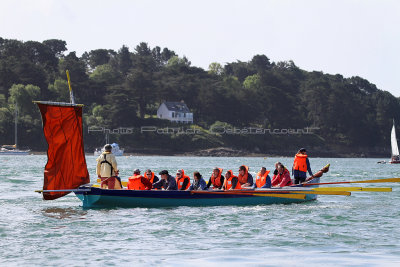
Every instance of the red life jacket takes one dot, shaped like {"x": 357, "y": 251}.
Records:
{"x": 150, "y": 179}
{"x": 261, "y": 179}
{"x": 243, "y": 178}
{"x": 135, "y": 182}
{"x": 228, "y": 182}
{"x": 179, "y": 182}
{"x": 300, "y": 162}
{"x": 216, "y": 181}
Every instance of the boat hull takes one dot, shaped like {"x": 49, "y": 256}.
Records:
{"x": 99, "y": 198}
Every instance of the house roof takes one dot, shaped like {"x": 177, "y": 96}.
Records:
{"x": 177, "y": 106}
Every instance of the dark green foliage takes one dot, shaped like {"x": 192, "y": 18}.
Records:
{"x": 124, "y": 89}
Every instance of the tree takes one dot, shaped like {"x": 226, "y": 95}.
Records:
{"x": 215, "y": 68}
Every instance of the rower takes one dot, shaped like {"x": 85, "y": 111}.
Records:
{"x": 151, "y": 176}
{"x": 167, "y": 182}
{"x": 216, "y": 179}
{"x": 107, "y": 169}
{"x": 262, "y": 179}
{"x": 138, "y": 182}
{"x": 198, "y": 182}
{"x": 182, "y": 180}
{"x": 231, "y": 181}
{"x": 281, "y": 176}
{"x": 245, "y": 178}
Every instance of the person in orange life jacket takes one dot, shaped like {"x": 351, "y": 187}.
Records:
{"x": 167, "y": 182}
{"x": 182, "y": 180}
{"x": 262, "y": 179}
{"x": 281, "y": 176}
{"x": 151, "y": 176}
{"x": 245, "y": 178}
{"x": 198, "y": 182}
{"x": 231, "y": 181}
{"x": 138, "y": 182}
{"x": 107, "y": 169}
{"x": 301, "y": 165}
{"x": 216, "y": 179}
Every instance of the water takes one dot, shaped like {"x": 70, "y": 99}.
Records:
{"x": 359, "y": 230}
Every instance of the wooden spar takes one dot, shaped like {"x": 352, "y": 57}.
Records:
{"x": 63, "y": 190}
{"x": 387, "y": 180}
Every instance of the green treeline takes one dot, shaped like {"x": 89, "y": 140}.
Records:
{"x": 124, "y": 89}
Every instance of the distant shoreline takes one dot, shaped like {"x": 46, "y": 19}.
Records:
{"x": 228, "y": 152}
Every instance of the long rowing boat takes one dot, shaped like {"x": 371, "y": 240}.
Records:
{"x": 94, "y": 197}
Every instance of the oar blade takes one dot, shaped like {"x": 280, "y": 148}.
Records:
{"x": 377, "y": 189}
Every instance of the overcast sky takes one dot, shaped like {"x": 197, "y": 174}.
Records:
{"x": 349, "y": 37}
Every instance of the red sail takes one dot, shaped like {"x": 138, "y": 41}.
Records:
{"x": 66, "y": 164}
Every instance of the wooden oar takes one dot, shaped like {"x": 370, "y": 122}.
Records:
{"x": 351, "y": 189}
{"x": 292, "y": 196}
{"x": 387, "y": 180}
{"x": 279, "y": 191}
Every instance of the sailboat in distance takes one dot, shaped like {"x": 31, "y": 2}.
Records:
{"x": 395, "y": 149}
{"x": 13, "y": 149}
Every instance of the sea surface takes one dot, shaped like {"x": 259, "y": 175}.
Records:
{"x": 358, "y": 230}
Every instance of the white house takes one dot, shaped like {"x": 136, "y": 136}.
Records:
{"x": 175, "y": 111}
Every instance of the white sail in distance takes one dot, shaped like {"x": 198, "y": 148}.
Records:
{"x": 395, "y": 148}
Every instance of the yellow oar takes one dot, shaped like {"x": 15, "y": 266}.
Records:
{"x": 339, "y": 193}
{"x": 337, "y": 189}
{"x": 294, "y": 196}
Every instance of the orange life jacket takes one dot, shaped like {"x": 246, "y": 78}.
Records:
{"x": 228, "y": 182}
{"x": 179, "y": 182}
{"x": 243, "y": 178}
{"x": 261, "y": 179}
{"x": 150, "y": 179}
{"x": 216, "y": 181}
{"x": 300, "y": 162}
{"x": 135, "y": 182}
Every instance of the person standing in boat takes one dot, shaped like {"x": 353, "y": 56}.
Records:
{"x": 198, "y": 182}
{"x": 151, "y": 176}
{"x": 182, "y": 180}
{"x": 244, "y": 177}
{"x": 138, "y": 182}
{"x": 281, "y": 176}
{"x": 167, "y": 182}
{"x": 301, "y": 165}
{"x": 107, "y": 169}
{"x": 216, "y": 179}
{"x": 262, "y": 179}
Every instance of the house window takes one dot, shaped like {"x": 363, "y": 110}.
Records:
{"x": 173, "y": 114}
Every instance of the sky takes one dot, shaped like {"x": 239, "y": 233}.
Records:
{"x": 347, "y": 37}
